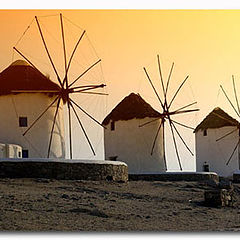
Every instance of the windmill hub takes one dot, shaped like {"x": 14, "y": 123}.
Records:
{"x": 165, "y": 114}
{"x": 65, "y": 94}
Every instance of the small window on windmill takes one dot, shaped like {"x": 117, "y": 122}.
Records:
{"x": 112, "y": 126}
{"x": 205, "y": 132}
{"x": 22, "y": 121}
{"x": 25, "y": 153}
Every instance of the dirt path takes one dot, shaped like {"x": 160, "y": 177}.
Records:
{"x": 45, "y": 205}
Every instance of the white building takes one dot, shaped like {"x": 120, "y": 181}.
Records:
{"x": 19, "y": 110}
{"x": 10, "y": 151}
{"x": 212, "y": 151}
{"x": 125, "y": 141}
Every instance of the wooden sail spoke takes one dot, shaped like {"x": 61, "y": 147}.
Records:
{"x": 161, "y": 78}
{"x": 169, "y": 76}
{"x": 87, "y": 89}
{"x": 182, "y": 139}
{"x": 146, "y": 123}
{"x": 155, "y": 139}
{"x": 47, "y": 51}
{"x": 163, "y": 138}
{"x": 181, "y": 124}
{"x": 71, "y": 57}
{"x": 235, "y": 148}
{"x": 168, "y": 81}
{"x": 34, "y": 122}
{"x": 229, "y": 100}
{"x": 87, "y": 113}
{"x": 82, "y": 74}
{"x": 149, "y": 79}
{"x": 54, "y": 121}
{"x": 185, "y": 111}
{"x": 227, "y": 134}
{"x": 89, "y": 86}
{"x": 185, "y": 106}
{"x": 177, "y": 92}
{"x": 235, "y": 93}
{"x": 175, "y": 145}
{"x": 64, "y": 51}
{"x": 95, "y": 93}
{"x": 21, "y": 54}
{"x": 85, "y": 133}
{"x": 70, "y": 128}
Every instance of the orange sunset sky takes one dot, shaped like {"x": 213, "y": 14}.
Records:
{"x": 204, "y": 44}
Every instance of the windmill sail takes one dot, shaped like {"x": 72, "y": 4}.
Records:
{"x": 67, "y": 83}
{"x": 166, "y": 112}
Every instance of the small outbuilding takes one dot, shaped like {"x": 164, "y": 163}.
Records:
{"x": 125, "y": 141}
{"x": 216, "y": 139}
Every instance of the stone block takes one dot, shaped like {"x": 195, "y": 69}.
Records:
{"x": 236, "y": 177}
{"x": 218, "y": 197}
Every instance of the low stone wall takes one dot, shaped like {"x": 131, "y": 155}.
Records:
{"x": 175, "y": 176}
{"x": 64, "y": 170}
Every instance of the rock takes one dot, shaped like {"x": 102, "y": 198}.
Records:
{"x": 47, "y": 195}
{"x": 211, "y": 183}
{"x": 75, "y": 198}
{"x": 94, "y": 212}
{"x": 225, "y": 184}
{"x": 65, "y": 196}
{"x": 42, "y": 180}
{"x": 49, "y": 210}
{"x": 187, "y": 208}
{"x": 218, "y": 197}
{"x": 236, "y": 177}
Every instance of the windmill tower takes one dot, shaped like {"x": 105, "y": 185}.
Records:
{"x": 58, "y": 94}
{"x": 216, "y": 136}
{"x": 227, "y": 139}
{"x": 20, "y": 109}
{"x": 125, "y": 141}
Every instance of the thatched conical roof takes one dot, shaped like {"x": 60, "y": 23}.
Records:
{"x": 216, "y": 119}
{"x": 132, "y": 106}
{"x": 21, "y": 76}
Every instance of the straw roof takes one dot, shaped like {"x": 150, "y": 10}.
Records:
{"x": 132, "y": 106}
{"x": 21, "y": 76}
{"x": 216, "y": 119}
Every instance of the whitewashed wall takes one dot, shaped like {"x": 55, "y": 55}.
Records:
{"x": 36, "y": 140}
{"x": 133, "y": 145}
{"x": 216, "y": 154}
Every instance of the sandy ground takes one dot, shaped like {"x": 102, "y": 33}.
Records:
{"x": 53, "y": 205}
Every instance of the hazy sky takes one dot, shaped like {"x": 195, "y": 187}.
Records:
{"x": 204, "y": 44}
